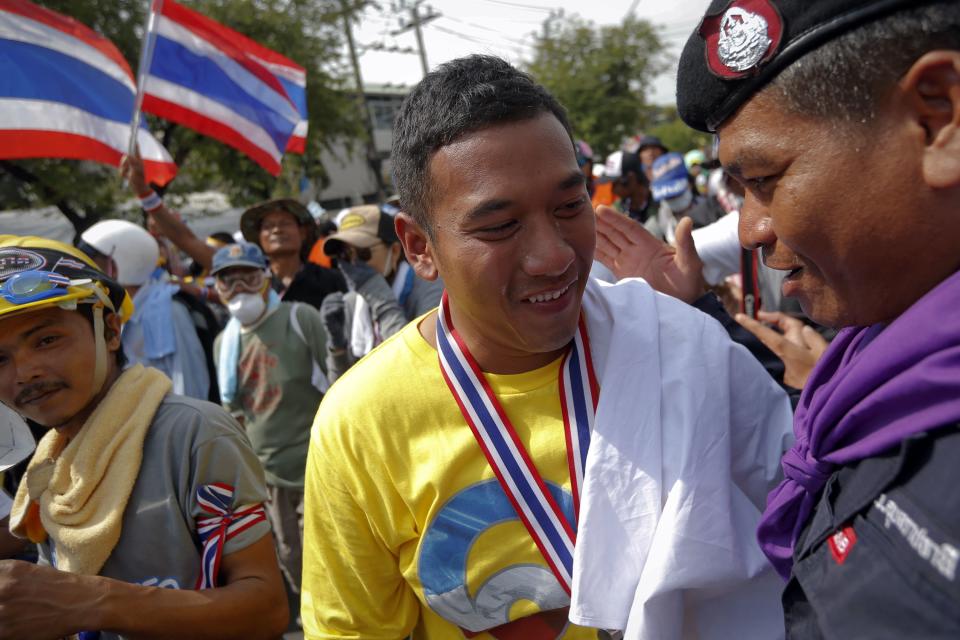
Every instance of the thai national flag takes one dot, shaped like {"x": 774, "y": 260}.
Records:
{"x": 67, "y": 92}
{"x": 293, "y": 77}
{"x": 206, "y": 77}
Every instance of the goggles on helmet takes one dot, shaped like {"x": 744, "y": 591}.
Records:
{"x": 231, "y": 282}
{"x": 31, "y": 286}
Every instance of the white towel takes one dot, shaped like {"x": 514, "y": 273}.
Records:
{"x": 686, "y": 442}
{"x": 363, "y": 329}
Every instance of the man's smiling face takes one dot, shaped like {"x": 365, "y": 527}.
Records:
{"x": 46, "y": 364}
{"x": 837, "y": 205}
{"x": 513, "y": 235}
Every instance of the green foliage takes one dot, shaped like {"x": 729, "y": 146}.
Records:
{"x": 307, "y": 31}
{"x": 600, "y": 74}
{"x": 675, "y": 134}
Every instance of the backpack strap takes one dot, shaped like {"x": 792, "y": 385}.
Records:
{"x": 317, "y": 378}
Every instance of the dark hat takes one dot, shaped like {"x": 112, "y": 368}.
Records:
{"x": 741, "y": 45}
{"x": 251, "y": 218}
{"x": 620, "y": 163}
{"x": 651, "y": 141}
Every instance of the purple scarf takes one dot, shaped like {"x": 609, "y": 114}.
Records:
{"x": 874, "y": 387}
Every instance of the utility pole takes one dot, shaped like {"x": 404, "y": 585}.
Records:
{"x": 415, "y": 17}
{"x": 416, "y": 21}
{"x": 555, "y": 14}
{"x": 373, "y": 158}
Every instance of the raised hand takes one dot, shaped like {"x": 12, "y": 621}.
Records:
{"x": 793, "y": 341}
{"x": 626, "y": 248}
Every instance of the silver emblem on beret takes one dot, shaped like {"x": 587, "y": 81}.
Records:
{"x": 743, "y": 39}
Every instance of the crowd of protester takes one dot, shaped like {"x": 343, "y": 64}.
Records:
{"x": 543, "y": 392}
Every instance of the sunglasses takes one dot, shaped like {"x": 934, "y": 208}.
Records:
{"x": 229, "y": 283}
{"x": 350, "y": 253}
{"x": 31, "y": 286}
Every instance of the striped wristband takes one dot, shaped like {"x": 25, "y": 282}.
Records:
{"x": 151, "y": 201}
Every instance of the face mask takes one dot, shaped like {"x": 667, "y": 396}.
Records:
{"x": 681, "y": 203}
{"x": 247, "y": 307}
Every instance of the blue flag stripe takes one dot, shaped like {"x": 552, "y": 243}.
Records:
{"x": 177, "y": 64}
{"x": 39, "y": 73}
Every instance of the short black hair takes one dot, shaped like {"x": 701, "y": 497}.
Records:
{"x": 459, "y": 97}
{"x": 846, "y": 78}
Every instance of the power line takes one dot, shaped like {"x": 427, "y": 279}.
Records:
{"x": 478, "y": 40}
{"x": 472, "y": 24}
{"x": 520, "y": 5}
{"x": 416, "y": 21}
{"x": 496, "y": 31}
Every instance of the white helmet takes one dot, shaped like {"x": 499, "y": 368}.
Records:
{"x": 132, "y": 248}
{"x": 16, "y": 441}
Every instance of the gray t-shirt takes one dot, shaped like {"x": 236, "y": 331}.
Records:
{"x": 190, "y": 443}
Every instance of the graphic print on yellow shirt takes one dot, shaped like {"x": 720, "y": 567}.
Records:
{"x": 480, "y": 520}
{"x": 407, "y": 529}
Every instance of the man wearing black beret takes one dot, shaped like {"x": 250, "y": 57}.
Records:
{"x": 841, "y": 119}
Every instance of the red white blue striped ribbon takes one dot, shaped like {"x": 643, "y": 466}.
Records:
{"x": 518, "y": 476}
{"x": 222, "y": 524}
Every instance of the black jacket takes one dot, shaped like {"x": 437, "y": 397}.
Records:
{"x": 879, "y": 558}
{"x": 312, "y": 284}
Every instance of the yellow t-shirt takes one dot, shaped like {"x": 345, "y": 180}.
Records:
{"x": 407, "y": 530}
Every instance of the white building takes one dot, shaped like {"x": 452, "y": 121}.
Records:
{"x": 351, "y": 179}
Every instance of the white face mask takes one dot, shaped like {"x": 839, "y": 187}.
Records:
{"x": 681, "y": 203}
{"x": 247, "y": 307}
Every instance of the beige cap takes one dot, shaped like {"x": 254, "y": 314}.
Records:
{"x": 361, "y": 227}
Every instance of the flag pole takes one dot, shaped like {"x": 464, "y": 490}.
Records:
{"x": 154, "y": 7}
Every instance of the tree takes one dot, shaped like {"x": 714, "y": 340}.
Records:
{"x": 675, "y": 134}
{"x": 600, "y": 74}
{"x": 307, "y": 31}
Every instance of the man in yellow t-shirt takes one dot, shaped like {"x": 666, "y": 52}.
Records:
{"x": 412, "y": 530}
{"x": 408, "y": 529}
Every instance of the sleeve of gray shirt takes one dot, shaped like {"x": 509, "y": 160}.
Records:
{"x": 337, "y": 362}
{"x": 425, "y": 296}
{"x": 224, "y": 457}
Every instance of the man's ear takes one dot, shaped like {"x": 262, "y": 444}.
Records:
{"x": 111, "y": 331}
{"x": 932, "y": 87}
{"x": 417, "y": 246}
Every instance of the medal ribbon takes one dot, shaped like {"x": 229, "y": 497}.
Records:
{"x": 521, "y": 482}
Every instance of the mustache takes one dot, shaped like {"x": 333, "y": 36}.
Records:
{"x": 37, "y": 389}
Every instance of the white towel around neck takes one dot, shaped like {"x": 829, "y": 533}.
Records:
{"x": 686, "y": 443}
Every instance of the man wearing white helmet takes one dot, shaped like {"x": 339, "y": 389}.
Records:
{"x": 161, "y": 333}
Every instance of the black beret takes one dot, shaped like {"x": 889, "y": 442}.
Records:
{"x": 741, "y": 45}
